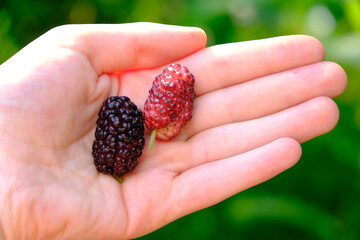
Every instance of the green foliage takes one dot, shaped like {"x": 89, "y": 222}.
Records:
{"x": 316, "y": 199}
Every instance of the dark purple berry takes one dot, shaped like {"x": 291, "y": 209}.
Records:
{"x": 119, "y": 136}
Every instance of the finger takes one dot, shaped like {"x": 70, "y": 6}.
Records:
{"x": 225, "y": 65}
{"x": 266, "y": 95}
{"x": 230, "y": 64}
{"x": 302, "y": 122}
{"x": 208, "y": 184}
{"x": 118, "y": 47}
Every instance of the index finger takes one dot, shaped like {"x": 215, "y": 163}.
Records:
{"x": 230, "y": 64}
{"x": 122, "y": 47}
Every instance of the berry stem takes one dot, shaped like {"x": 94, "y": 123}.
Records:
{"x": 152, "y": 139}
{"x": 119, "y": 179}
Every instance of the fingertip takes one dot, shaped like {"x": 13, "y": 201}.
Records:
{"x": 201, "y": 35}
{"x": 324, "y": 116}
{"x": 329, "y": 113}
{"x": 290, "y": 151}
{"x": 313, "y": 46}
{"x": 311, "y": 49}
{"x": 337, "y": 77}
{"x": 196, "y": 35}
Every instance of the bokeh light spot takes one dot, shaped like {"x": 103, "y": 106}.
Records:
{"x": 320, "y": 21}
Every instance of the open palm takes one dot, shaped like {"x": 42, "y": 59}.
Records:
{"x": 255, "y": 102}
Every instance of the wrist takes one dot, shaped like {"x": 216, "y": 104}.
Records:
{"x": 2, "y": 237}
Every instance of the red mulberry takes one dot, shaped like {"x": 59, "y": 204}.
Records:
{"x": 170, "y": 102}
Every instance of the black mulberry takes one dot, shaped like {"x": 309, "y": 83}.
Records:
{"x": 119, "y": 136}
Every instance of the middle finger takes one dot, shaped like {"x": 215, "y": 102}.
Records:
{"x": 264, "y": 96}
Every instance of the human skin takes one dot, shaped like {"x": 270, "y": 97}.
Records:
{"x": 256, "y": 102}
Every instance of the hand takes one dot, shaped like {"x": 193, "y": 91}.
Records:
{"x": 256, "y": 101}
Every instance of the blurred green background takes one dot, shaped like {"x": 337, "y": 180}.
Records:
{"x": 319, "y": 198}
